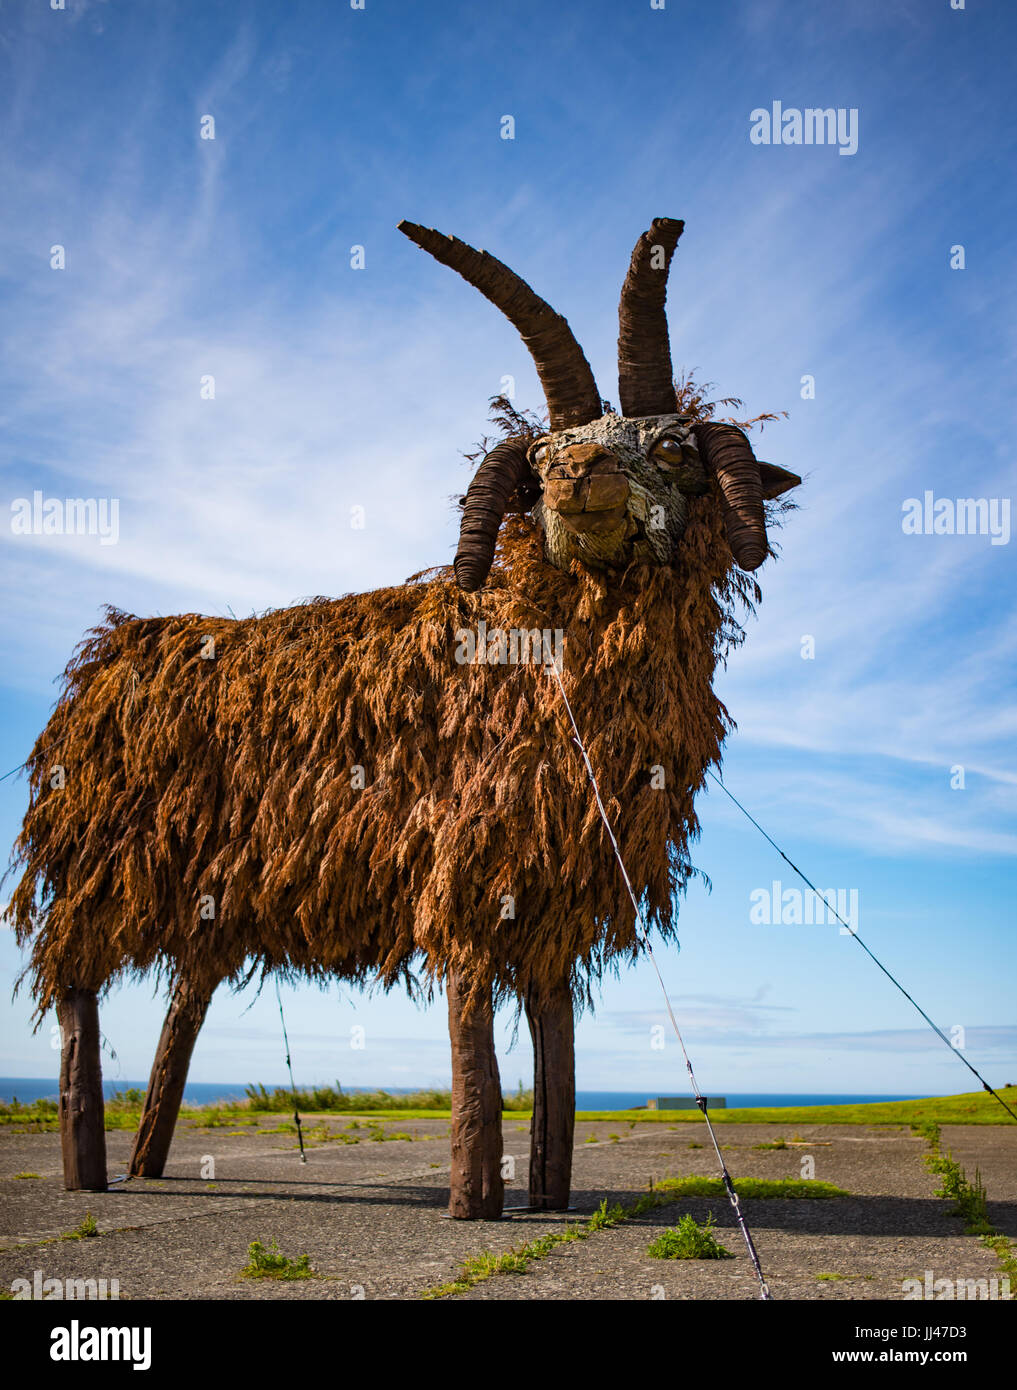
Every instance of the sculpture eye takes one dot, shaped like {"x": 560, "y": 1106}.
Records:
{"x": 667, "y": 452}
{"x": 540, "y": 455}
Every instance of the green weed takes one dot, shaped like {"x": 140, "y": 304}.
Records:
{"x": 688, "y": 1241}
{"x": 968, "y": 1197}
{"x": 929, "y": 1131}
{"x": 1004, "y": 1251}
{"x": 270, "y": 1263}
{"x": 85, "y": 1231}
{"x": 605, "y": 1217}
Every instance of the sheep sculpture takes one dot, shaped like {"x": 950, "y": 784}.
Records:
{"x": 353, "y": 786}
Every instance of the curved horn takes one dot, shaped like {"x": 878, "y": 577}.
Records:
{"x": 645, "y": 378}
{"x": 487, "y": 500}
{"x": 569, "y": 388}
{"x": 728, "y": 453}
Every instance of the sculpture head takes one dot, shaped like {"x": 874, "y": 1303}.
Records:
{"x": 606, "y": 488}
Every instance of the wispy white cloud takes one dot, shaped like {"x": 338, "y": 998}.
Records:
{"x": 737, "y": 1027}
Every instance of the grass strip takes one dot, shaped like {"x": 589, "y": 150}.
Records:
{"x": 759, "y": 1189}
{"x": 969, "y": 1198}
{"x": 123, "y": 1111}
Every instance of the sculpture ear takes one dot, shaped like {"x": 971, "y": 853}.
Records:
{"x": 776, "y": 480}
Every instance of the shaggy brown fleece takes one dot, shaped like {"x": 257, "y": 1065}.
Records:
{"x": 232, "y": 780}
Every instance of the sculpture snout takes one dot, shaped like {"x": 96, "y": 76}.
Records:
{"x": 587, "y": 488}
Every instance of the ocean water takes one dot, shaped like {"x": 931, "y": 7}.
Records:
{"x": 208, "y": 1092}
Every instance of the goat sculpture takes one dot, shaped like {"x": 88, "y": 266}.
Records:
{"x": 349, "y": 796}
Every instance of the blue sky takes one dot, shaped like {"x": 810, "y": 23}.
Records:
{"x": 339, "y": 388}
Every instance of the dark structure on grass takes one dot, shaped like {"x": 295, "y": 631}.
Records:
{"x": 351, "y": 786}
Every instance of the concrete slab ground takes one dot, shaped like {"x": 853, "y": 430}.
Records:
{"x": 369, "y": 1213}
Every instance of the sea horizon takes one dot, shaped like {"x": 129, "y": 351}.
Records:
{"x": 28, "y": 1089}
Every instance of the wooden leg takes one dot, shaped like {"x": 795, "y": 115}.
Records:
{"x": 82, "y": 1109}
{"x": 554, "y": 1097}
{"x": 477, "y": 1187}
{"x": 168, "y": 1079}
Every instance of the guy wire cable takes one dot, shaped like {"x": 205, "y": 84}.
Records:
{"x": 851, "y": 932}
{"x": 293, "y": 1088}
{"x": 764, "y": 1291}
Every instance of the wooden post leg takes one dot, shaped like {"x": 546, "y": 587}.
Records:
{"x": 477, "y": 1187}
{"x": 554, "y": 1097}
{"x": 82, "y": 1109}
{"x": 168, "y": 1079}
